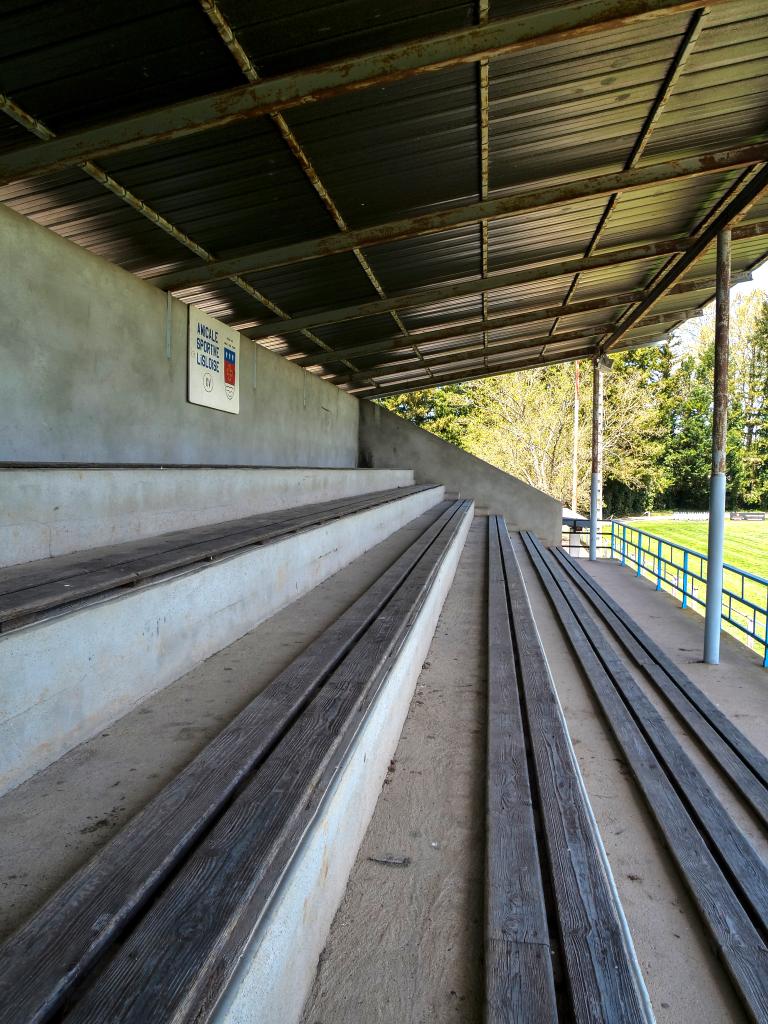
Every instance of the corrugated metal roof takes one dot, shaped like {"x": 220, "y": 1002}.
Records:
{"x": 559, "y": 112}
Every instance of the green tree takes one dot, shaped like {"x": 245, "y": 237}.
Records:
{"x": 658, "y": 419}
{"x": 443, "y": 411}
{"x": 688, "y": 450}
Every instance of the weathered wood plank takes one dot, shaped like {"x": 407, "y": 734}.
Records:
{"x": 96, "y": 905}
{"x": 755, "y": 760}
{"x": 519, "y": 980}
{"x": 602, "y": 981}
{"x": 179, "y": 958}
{"x": 735, "y": 938}
{"x": 29, "y": 574}
{"x": 120, "y": 569}
{"x": 715, "y": 746}
{"x": 744, "y": 868}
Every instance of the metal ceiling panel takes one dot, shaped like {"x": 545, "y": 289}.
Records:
{"x": 557, "y": 113}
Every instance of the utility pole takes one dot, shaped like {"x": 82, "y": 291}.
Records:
{"x": 712, "y": 621}
{"x": 575, "y": 464}
{"x": 596, "y": 488}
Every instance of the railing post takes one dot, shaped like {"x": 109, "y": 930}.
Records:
{"x": 685, "y": 578}
{"x": 639, "y": 551}
{"x": 658, "y": 566}
{"x": 765, "y": 646}
{"x": 613, "y": 537}
{"x": 623, "y": 543}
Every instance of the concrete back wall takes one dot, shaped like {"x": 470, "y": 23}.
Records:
{"x": 85, "y": 376}
{"x": 48, "y": 512}
{"x": 387, "y": 442}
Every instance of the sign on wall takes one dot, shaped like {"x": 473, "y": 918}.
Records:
{"x": 214, "y": 363}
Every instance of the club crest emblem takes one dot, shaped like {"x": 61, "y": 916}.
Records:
{"x": 230, "y": 371}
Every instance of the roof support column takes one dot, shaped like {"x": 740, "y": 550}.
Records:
{"x": 712, "y": 620}
{"x": 596, "y": 490}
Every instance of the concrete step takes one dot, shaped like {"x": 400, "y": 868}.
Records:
{"x": 52, "y": 510}
{"x": 66, "y": 677}
{"x": 70, "y": 810}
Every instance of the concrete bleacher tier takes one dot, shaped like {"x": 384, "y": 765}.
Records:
{"x": 394, "y": 768}
{"x": 292, "y": 731}
{"x": 85, "y": 635}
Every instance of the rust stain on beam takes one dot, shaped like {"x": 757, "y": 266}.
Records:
{"x": 524, "y": 274}
{"x": 491, "y": 209}
{"x": 690, "y": 36}
{"x": 42, "y": 131}
{"x": 468, "y": 352}
{"x": 243, "y": 61}
{"x": 730, "y": 214}
{"x": 516, "y": 317}
{"x": 421, "y": 56}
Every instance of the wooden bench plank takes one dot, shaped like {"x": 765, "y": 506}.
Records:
{"x": 745, "y": 869}
{"x": 164, "y": 556}
{"x": 175, "y": 964}
{"x": 519, "y": 980}
{"x": 755, "y": 760}
{"x": 715, "y": 746}
{"x": 736, "y": 939}
{"x": 21, "y": 577}
{"x": 602, "y": 980}
{"x": 94, "y": 907}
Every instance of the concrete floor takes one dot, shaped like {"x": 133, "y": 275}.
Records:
{"x": 55, "y": 821}
{"x": 683, "y": 975}
{"x": 407, "y": 941}
{"x": 406, "y": 944}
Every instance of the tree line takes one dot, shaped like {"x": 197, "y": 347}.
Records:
{"x": 658, "y": 419}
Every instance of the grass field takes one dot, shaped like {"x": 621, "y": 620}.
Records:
{"x": 746, "y": 544}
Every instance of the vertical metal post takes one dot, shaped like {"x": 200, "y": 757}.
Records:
{"x": 596, "y": 488}
{"x": 639, "y": 552}
{"x": 623, "y": 543}
{"x": 658, "y": 566}
{"x": 685, "y": 579}
{"x": 613, "y": 538}
{"x": 712, "y": 621}
{"x": 575, "y": 452}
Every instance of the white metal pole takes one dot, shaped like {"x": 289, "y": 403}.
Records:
{"x": 712, "y": 620}
{"x": 596, "y": 488}
{"x": 575, "y": 453}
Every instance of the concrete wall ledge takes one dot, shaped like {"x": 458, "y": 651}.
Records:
{"x": 276, "y": 973}
{"x": 387, "y": 441}
{"x": 64, "y": 679}
{"x": 53, "y": 511}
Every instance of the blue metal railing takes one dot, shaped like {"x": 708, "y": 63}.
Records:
{"x": 683, "y": 572}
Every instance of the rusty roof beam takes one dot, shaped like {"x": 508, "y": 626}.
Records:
{"x": 42, "y": 131}
{"x": 419, "y": 56}
{"x": 730, "y": 214}
{"x": 467, "y": 353}
{"x": 243, "y": 61}
{"x": 523, "y": 274}
{"x": 690, "y": 36}
{"x": 516, "y": 317}
{"x": 463, "y": 377}
{"x": 463, "y": 353}
{"x": 539, "y": 198}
